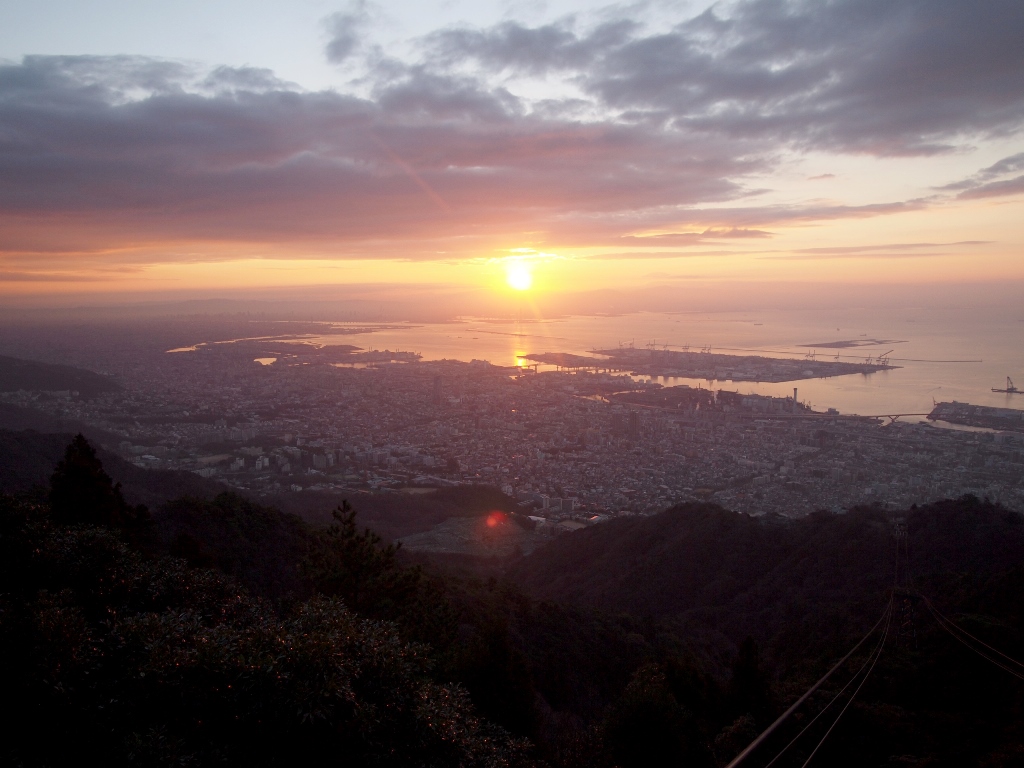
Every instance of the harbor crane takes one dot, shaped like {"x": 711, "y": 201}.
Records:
{"x": 1010, "y": 389}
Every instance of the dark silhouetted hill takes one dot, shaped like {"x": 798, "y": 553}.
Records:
{"x": 17, "y": 418}
{"x": 259, "y": 546}
{"x": 32, "y": 376}
{"x": 27, "y": 460}
{"x": 193, "y": 517}
{"x": 770, "y": 577}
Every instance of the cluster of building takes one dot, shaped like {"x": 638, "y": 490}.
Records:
{"x": 570, "y": 446}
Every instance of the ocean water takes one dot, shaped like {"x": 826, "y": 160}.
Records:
{"x": 943, "y": 355}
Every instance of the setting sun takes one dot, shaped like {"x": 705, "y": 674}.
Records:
{"x": 519, "y": 277}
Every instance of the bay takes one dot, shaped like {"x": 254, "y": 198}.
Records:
{"x": 943, "y": 355}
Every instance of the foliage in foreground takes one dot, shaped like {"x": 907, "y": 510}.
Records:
{"x": 135, "y": 660}
{"x": 338, "y": 652}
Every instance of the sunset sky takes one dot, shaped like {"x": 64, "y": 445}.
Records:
{"x": 191, "y": 149}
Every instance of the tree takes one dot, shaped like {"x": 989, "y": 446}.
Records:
{"x": 81, "y": 492}
{"x": 345, "y": 563}
{"x": 136, "y": 660}
{"x": 648, "y": 727}
{"x": 749, "y": 689}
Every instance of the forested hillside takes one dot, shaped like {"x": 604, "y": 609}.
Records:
{"x": 218, "y": 630}
{"x": 27, "y": 459}
{"x": 711, "y": 568}
{"x": 806, "y": 589}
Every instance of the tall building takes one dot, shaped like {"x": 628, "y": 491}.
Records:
{"x": 634, "y": 424}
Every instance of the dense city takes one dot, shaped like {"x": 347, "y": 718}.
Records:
{"x": 572, "y": 447}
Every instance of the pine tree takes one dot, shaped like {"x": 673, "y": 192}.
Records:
{"x": 345, "y": 563}
{"x": 82, "y": 492}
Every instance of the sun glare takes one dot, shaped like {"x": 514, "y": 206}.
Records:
{"x": 519, "y": 277}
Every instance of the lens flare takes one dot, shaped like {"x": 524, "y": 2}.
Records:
{"x": 518, "y": 276}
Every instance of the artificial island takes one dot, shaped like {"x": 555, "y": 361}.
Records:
{"x": 705, "y": 364}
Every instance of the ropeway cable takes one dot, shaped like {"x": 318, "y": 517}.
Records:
{"x": 945, "y": 623}
{"x": 835, "y": 698}
{"x": 878, "y": 655}
{"x": 887, "y": 617}
{"x": 833, "y": 701}
{"x": 771, "y": 728}
{"x": 942, "y": 621}
{"x": 964, "y": 631}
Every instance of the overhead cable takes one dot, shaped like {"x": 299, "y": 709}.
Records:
{"x": 878, "y": 655}
{"x": 782, "y": 718}
{"x": 835, "y": 698}
{"x": 964, "y": 631}
{"x": 945, "y": 623}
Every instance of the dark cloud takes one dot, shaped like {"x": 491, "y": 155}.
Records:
{"x": 346, "y": 31}
{"x": 1010, "y": 164}
{"x": 693, "y": 238}
{"x": 69, "y": 81}
{"x": 162, "y": 152}
{"x": 248, "y": 79}
{"x": 862, "y": 249}
{"x": 422, "y": 95}
{"x": 986, "y": 182}
{"x": 995, "y": 189}
{"x": 885, "y": 77}
{"x": 533, "y": 50}
{"x": 880, "y": 251}
{"x": 48, "y": 277}
{"x": 876, "y": 255}
{"x": 629, "y": 255}
{"x": 737, "y": 217}
{"x": 663, "y": 133}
